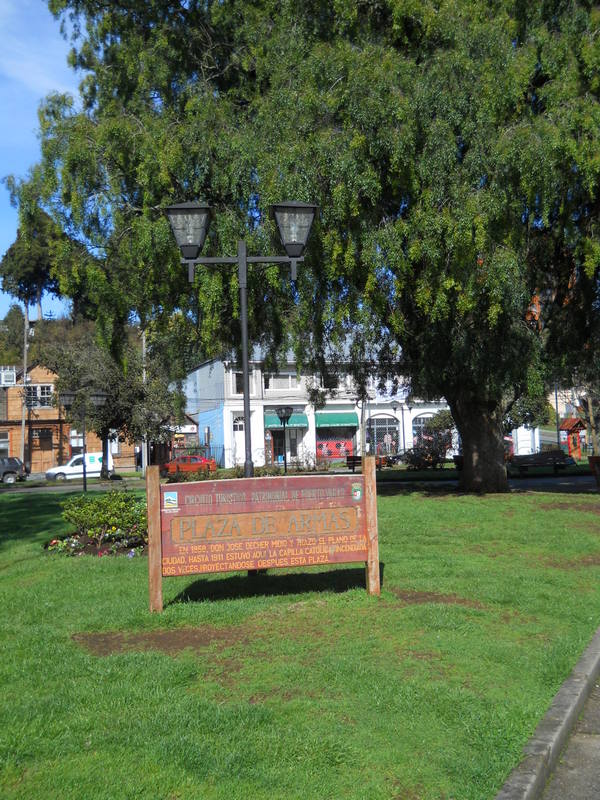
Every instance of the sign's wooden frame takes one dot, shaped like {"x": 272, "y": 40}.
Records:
{"x": 172, "y": 528}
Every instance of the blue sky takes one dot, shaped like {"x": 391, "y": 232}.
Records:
{"x": 33, "y": 63}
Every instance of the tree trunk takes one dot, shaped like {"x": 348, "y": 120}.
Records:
{"x": 593, "y": 430}
{"x": 104, "y": 474}
{"x": 480, "y": 429}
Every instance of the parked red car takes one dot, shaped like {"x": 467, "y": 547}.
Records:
{"x": 191, "y": 463}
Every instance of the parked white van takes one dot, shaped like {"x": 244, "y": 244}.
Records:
{"x": 74, "y": 468}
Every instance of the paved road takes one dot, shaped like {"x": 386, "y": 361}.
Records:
{"x": 562, "y": 483}
{"x": 577, "y": 776}
{"x": 37, "y": 485}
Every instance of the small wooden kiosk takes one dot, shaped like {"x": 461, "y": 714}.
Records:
{"x": 570, "y": 433}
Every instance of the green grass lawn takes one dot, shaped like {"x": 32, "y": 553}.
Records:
{"x": 296, "y": 685}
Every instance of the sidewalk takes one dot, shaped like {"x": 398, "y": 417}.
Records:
{"x": 577, "y": 776}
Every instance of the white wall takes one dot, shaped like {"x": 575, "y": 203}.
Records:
{"x": 526, "y": 441}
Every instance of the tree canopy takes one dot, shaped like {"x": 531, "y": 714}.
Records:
{"x": 140, "y": 403}
{"x": 450, "y": 144}
{"x": 25, "y": 268}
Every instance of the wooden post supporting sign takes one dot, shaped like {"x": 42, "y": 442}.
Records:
{"x": 260, "y": 524}
{"x": 154, "y": 539}
{"x": 372, "y": 564}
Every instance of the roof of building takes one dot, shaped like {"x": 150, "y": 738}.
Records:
{"x": 572, "y": 424}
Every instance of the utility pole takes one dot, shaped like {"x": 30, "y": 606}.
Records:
{"x": 24, "y": 403}
{"x": 557, "y": 415}
{"x": 145, "y": 437}
{"x": 363, "y": 443}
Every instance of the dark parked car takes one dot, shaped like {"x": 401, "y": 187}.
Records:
{"x": 12, "y": 470}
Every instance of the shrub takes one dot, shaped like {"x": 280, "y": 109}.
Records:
{"x": 268, "y": 471}
{"x": 108, "y": 517}
{"x": 223, "y": 474}
{"x": 205, "y": 475}
{"x": 425, "y": 456}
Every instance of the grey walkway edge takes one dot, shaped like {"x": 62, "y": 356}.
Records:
{"x": 528, "y": 780}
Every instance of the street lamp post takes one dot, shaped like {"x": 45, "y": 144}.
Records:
{"x": 394, "y": 409}
{"x": 69, "y": 399}
{"x": 284, "y": 413}
{"x": 189, "y": 223}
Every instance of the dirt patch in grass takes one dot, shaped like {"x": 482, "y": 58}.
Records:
{"x": 412, "y": 793}
{"x": 592, "y": 560}
{"x": 416, "y": 598}
{"x": 575, "y": 507}
{"x": 170, "y": 642}
{"x": 224, "y": 672}
{"x": 480, "y": 550}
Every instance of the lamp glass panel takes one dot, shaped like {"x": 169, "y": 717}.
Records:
{"x": 98, "y": 399}
{"x": 294, "y": 226}
{"x": 67, "y": 398}
{"x": 189, "y": 226}
{"x": 284, "y": 413}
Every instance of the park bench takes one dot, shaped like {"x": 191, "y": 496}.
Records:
{"x": 352, "y": 462}
{"x": 557, "y": 459}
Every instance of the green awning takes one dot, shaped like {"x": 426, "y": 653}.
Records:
{"x": 296, "y": 421}
{"x": 336, "y": 419}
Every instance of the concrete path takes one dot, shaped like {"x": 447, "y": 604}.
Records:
{"x": 577, "y": 775}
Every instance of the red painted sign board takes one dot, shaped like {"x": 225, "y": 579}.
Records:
{"x": 260, "y": 523}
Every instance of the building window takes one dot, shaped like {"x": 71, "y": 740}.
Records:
{"x": 330, "y": 381}
{"x": 38, "y": 396}
{"x": 3, "y": 444}
{"x": 383, "y": 435}
{"x": 3, "y": 404}
{"x": 418, "y": 426}
{"x": 45, "y": 396}
{"x": 281, "y": 381}
{"x": 293, "y": 434}
{"x": 238, "y": 383}
{"x": 41, "y": 434}
{"x": 238, "y": 424}
{"x": 76, "y": 441}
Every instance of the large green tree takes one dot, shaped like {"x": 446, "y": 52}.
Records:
{"x": 11, "y": 336}
{"x": 451, "y": 145}
{"x": 25, "y": 268}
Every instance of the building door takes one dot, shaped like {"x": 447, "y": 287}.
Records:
{"x": 278, "y": 446}
{"x": 239, "y": 441}
{"x": 42, "y": 450}
{"x": 46, "y": 453}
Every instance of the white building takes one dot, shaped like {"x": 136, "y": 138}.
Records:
{"x": 214, "y": 397}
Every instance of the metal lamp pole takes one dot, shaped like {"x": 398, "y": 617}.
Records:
{"x": 189, "y": 223}
{"x": 67, "y": 399}
{"x": 284, "y": 413}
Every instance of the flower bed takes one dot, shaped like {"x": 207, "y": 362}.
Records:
{"x": 105, "y": 524}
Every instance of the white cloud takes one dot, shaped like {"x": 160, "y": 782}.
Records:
{"x": 33, "y": 53}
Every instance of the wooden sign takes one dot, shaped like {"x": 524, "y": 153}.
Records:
{"x": 260, "y": 523}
